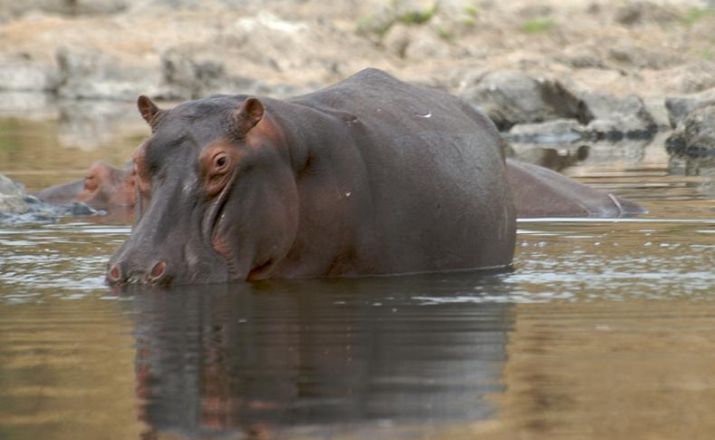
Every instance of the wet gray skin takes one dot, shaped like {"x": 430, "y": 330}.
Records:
{"x": 187, "y": 181}
{"x": 329, "y": 184}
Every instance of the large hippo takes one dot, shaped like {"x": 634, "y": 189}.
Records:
{"x": 537, "y": 192}
{"x": 369, "y": 176}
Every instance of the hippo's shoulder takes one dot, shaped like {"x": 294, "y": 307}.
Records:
{"x": 362, "y": 84}
{"x": 372, "y": 75}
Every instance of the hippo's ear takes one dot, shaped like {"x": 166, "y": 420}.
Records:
{"x": 148, "y": 110}
{"x": 247, "y": 116}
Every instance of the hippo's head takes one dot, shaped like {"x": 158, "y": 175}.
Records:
{"x": 216, "y": 195}
{"x": 103, "y": 187}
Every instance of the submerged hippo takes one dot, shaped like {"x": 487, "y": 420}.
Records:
{"x": 104, "y": 188}
{"x": 541, "y": 192}
{"x": 537, "y": 192}
{"x": 369, "y": 176}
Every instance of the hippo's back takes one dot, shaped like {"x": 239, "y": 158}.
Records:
{"x": 434, "y": 172}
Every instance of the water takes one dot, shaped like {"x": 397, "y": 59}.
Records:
{"x": 604, "y": 329}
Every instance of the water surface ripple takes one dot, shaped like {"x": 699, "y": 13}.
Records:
{"x": 602, "y": 329}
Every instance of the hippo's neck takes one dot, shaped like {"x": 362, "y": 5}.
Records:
{"x": 332, "y": 185}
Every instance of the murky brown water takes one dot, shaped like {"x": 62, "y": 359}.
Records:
{"x": 605, "y": 329}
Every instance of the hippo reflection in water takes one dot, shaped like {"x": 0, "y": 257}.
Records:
{"x": 269, "y": 360}
{"x": 369, "y": 176}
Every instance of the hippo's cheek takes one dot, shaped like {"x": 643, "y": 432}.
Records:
{"x": 221, "y": 246}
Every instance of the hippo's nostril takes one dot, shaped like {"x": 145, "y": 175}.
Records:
{"x": 115, "y": 274}
{"x": 157, "y": 271}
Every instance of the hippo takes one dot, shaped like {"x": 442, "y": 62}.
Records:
{"x": 537, "y": 192}
{"x": 541, "y": 192}
{"x": 370, "y": 176}
{"x": 104, "y": 187}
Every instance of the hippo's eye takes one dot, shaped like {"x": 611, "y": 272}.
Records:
{"x": 220, "y": 162}
{"x": 90, "y": 183}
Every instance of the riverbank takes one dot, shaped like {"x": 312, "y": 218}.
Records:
{"x": 582, "y": 72}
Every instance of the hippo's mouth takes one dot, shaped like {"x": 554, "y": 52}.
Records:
{"x": 224, "y": 250}
{"x": 261, "y": 271}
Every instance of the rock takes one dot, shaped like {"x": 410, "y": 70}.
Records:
{"x": 679, "y": 107}
{"x": 693, "y": 77}
{"x": 695, "y": 135}
{"x": 12, "y": 197}
{"x": 397, "y": 39}
{"x": 64, "y": 7}
{"x": 616, "y": 118}
{"x": 27, "y": 76}
{"x": 425, "y": 44}
{"x": 16, "y": 206}
{"x": 557, "y": 131}
{"x": 637, "y": 12}
{"x": 581, "y": 57}
{"x": 656, "y": 107}
{"x": 511, "y": 97}
{"x": 631, "y": 55}
{"x": 186, "y": 76}
{"x": 266, "y": 53}
{"x": 90, "y": 74}
{"x": 629, "y": 14}
{"x": 190, "y": 72}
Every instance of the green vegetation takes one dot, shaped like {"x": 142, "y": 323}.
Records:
{"x": 371, "y": 25}
{"x": 374, "y": 25}
{"x": 445, "y": 34}
{"x": 538, "y": 25}
{"x": 472, "y": 11}
{"x": 696, "y": 14}
{"x": 418, "y": 17}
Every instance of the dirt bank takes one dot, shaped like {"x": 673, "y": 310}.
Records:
{"x": 181, "y": 48}
{"x": 609, "y": 68}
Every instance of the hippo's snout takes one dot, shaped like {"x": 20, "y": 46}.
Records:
{"x": 120, "y": 273}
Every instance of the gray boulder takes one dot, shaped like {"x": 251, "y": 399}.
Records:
{"x": 190, "y": 73}
{"x": 16, "y": 206}
{"x": 557, "y": 131}
{"x": 63, "y": 7}
{"x": 12, "y": 197}
{"x": 90, "y": 74}
{"x": 679, "y": 107}
{"x": 617, "y": 118}
{"x": 695, "y": 135}
{"x": 511, "y": 98}
{"x": 186, "y": 76}
{"x": 20, "y": 75}
{"x": 638, "y": 12}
